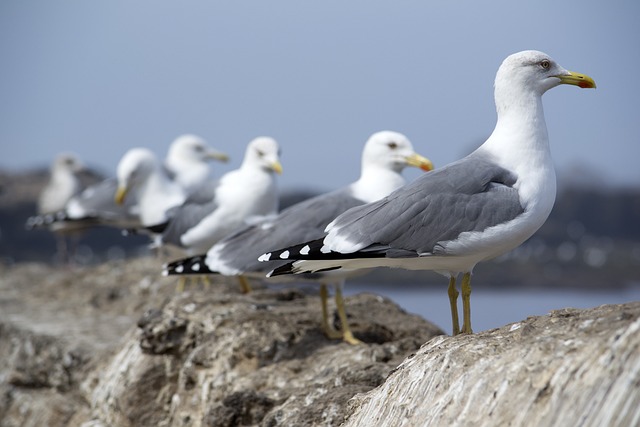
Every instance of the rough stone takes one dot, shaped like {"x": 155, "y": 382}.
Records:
{"x": 571, "y": 367}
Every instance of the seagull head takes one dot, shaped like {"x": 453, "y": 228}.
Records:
{"x": 263, "y": 152}
{"x": 531, "y": 71}
{"x": 392, "y": 150}
{"x": 193, "y": 149}
{"x": 134, "y": 168}
{"x": 67, "y": 162}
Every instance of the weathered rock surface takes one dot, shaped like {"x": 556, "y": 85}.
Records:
{"x": 570, "y": 368}
{"x": 114, "y": 345}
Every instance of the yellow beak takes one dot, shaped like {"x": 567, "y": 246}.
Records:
{"x": 218, "y": 155}
{"x": 276, "y": 167}
{"x": 121, "y": 194}
{"x": 418, "y": 161}
{"x": 577, "y": 79}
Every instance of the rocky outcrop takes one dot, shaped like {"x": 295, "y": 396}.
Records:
{"x": 204, "y": 357}
{"x": 570, "y": 368}
{"x": 114, "y": 345}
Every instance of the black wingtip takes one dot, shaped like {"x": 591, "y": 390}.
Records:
{"x": 194, "y": 265}
{"x": 158, "y": 228}
{"x": 282, "y": 270}
{"x": 302, "y": 251}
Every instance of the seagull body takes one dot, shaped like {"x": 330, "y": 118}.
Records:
{"x": 240, "y": 196}
{"x": 143, "y": 178}
{"x": 62, "y": 186}
{"x": 469, "y": 211}
{"x": 384, "y": 157}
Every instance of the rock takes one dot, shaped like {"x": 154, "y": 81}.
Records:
{"x": 117, "y": 346}
{"x": 572, "y": 367}
{"x": 114, "y": 345}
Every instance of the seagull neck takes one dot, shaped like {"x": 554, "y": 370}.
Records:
{"x": 63, "y": 176}
{"x": 376, "y": 182}
{"x": 520, "y": 134}
{"x": 157, "y": 195}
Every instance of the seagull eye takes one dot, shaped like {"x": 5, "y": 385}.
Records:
{"x": 260, "y": 153}
{"x": 545, "y": 63}
{"x": 392, "y": 145}
{"x": 199, "y": 148}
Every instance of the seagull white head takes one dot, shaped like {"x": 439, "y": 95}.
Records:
{"x": 67, "y": 162}
{"x": 531, "y": 72}
{"x": 263, "y": 152}
{"x": 192, "y": 148}
{"x": 393, "y": 151}
{"x": 134, "y": 168}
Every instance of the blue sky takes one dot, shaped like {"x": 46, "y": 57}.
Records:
{"x": 97, "y": 78}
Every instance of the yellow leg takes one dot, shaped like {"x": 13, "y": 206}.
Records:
{"x": 347, "y": 336}
{"x": 326, "y": 325}
{"x": 245, "y": 286}
{"x": 206, "y": 281}
{"x": 466, "y": 304}
{"x": 453, "y": 302}
{"x": 181, "y": 282}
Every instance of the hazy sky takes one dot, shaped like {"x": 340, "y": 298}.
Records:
{"x": 98, "y": 77}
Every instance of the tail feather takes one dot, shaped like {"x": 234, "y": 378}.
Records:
{"x": 293, "y": 268}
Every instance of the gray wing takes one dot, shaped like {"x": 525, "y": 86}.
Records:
{"x": 299, "y": 223}
{"x": 185, "y": 217}
{"x": 204, "y": 193}
{"x": 471, "y": 194}
{"x": 97, "y": 202}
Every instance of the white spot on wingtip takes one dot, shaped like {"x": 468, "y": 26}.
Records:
{"x": 179, "y": 269}
{"x": 196, "y": 267}
{"x": 284, "y": 255}
{"x": 265, "y": 257}
{"x": 165, "y": 272}
{"x": 325, "y": 250}
{"x": 305, "y": 250}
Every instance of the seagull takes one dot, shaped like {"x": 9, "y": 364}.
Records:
{"x": 242, "y": 195}
{"x": 187, "y": 163}
{"x": 384, "y": 156}
{"x": 141, "y": 176}
{"x": 472, "y": 210}
{"x": 63, "y": 184}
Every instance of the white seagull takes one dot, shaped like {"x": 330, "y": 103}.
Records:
{"x": 63, "y": 185}
{"x": 384, "y": 157}
{"x": 472, "y": 210}
{"x": 240, "y": 196}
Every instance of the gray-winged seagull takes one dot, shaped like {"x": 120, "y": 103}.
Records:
{"x": 469, "y": 211}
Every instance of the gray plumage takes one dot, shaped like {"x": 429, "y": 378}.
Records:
{"x": 307, "y": 218}
{"x": 471, "y": 194}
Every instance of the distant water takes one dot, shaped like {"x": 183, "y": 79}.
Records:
{"x": 493, "y": 308}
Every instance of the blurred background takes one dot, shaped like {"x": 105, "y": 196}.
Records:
{"x": 97, "y": 78}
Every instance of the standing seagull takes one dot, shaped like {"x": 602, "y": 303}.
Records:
{"x": 188, "y": 161}
{"x": 62, "y": 186}
{"x": 384, "y": 157}
{"x": 469, "y": 211}
{"x": 240, "y": 196}
{"x": 141, "y": 176}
